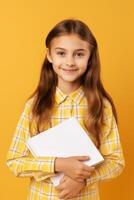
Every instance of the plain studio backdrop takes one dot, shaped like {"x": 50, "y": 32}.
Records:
{"x": 23, "y": 28}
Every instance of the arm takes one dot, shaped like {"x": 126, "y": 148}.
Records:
{"x": 111, "y": 150}
{"x": 19, "y": 159}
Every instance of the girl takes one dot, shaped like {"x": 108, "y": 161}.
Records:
{"x": 69, "y": 85}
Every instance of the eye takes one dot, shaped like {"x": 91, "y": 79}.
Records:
{"x": 79, "y": 54}
{"x": 61, "y": 53}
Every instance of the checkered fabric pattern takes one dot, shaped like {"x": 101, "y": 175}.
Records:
{"x": 23, "y": 164}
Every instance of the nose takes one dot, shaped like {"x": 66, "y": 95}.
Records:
{"x": 70, "y": 60}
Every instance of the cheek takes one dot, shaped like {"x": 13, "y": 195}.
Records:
{"x": 83, "y": 65}
{"x": 56, "y": 66}
{"x": 57, "y": 62}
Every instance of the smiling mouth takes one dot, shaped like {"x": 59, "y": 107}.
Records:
{"x": 69, "y": 70}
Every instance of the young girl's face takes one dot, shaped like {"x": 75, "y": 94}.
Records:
{"x": 69, "y": 57}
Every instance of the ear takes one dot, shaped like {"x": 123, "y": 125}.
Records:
{"x": 49, "y": 56}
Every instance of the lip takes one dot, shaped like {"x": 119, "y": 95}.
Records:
{"x": 70, "y": 70}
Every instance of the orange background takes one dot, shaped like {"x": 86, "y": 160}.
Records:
{"x": 24, "y": 25}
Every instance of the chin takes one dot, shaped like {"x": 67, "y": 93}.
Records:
{"x": 67, "y": 78}
{"x": 70, "y": 80}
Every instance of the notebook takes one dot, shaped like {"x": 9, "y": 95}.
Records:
{"x": 64, "y": 140}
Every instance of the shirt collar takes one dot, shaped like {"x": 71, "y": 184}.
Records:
{"x": 76, "y": 95}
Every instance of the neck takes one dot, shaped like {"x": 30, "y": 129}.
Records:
{"x": 68, "y": 88}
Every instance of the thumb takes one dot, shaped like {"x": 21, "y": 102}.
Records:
{"x": 81, "y": 158}
{"x": 62, "y": 179}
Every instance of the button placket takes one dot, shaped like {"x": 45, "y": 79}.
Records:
{"x": 70, "y": 106}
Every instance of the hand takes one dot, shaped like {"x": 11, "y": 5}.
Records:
{"x": 69, "y": 188}
{"x": 74, "y": 168}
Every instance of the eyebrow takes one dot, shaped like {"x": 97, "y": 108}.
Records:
{"x": 75, "y": 49}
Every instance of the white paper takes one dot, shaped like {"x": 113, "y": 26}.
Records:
{"x": 64, "y": 140}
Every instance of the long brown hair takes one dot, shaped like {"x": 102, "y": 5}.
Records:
{"x": 44, "y": 95}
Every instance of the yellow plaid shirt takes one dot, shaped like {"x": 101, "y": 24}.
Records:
{"x": 23, "y": 164}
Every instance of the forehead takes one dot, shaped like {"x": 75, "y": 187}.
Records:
{"x": 72, "y": 41}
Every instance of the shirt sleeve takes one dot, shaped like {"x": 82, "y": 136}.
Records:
{"x": 19, "y": 159}
{"x": 111, "y": 150}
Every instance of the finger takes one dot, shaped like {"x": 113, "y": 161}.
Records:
{"x": 82, "y": 158}
{"x": 63, "y": 195}
{"x": 80, "y": 180}
{"x": 68, "y": 196}
{"x": 62, "y": 180}
{"x": 88, "y": 168}
{"x": 59, "y": 187}
{"x": 83, "y": 176}
{"x": 86, "y": 174}
{"x": 71, "y": 196}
